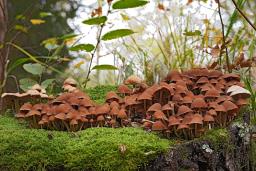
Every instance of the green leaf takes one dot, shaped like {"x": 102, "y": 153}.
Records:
{"x": 35, "y": 69}
{"x": 26, "y": 83}
{"x": 124, "y": 4}
{"x": 192, "y": 33}
{"x": 117, "y": 34}
{"x": 96, "y": 20}
{"x": 20, "y": 17}
{"x": 46, "y": 83}
{"x": 17, "y": 62}
{"x": 85, "y": 47}
{"x": 104, "y": 67}
{"x": 21, "y": 28}
{"x": 68, "y": 36}
{"x": 45, "y": 14}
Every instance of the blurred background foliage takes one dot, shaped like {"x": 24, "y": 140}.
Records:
{"x": 168, "y": 35}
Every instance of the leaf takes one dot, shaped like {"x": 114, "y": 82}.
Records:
{"x": 124, "y": 4}
{"x": 50, "y": 43}
{"x": 104, "y": 67}
{"x": 117, "y": 34}
{"x": 37, "y": 21}
{"x": 21, "y": 28}
{"x": 26, "y": 83}
{"x": 35, "y": 69}
{"x": 45, "y": 14}
{"x": 85, "y": 47}
{"x": 20, "y": 17}
{"x": 125, "y": 17}
{"x": 45, "y": 84}
{"x": 192, "y": 33}
{"x": 17, "y": 62}
{"x": 96, "y": 20}
{"x": 68, "y": 36}
{"x": 78, "y": 65}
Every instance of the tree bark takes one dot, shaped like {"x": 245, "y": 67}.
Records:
{"x": 3, "y": 56}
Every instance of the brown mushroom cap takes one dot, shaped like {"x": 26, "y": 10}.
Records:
{"x": 104, "y": 109}
{"x": 70, "y": 81}
{"x": 114, "y": 111}
{"x": 122, "y": 114}
{"x": 133, "y": 80}
{"x": 155, "y": 107}
{"x": 196, "y": 119}
{"x": 159, "y": 115}
{"x": 73, "y": 122}
{"x": 231, "y": 76}
{"x": 212, "y": 112}
{"x": 60, "y": 116}
{"x": 214, "y": 74}
{"x": 100, "y": 118}
{"x": 112, "y": 95}
{"x": 33, "y": 113}
{"x": 124, "y": 89}
{"x": 212, "y": 93}
{"x": 198, "y": 103}
{"x": 26, "y": 107}
{"x": 182, "y": 126}
{"x": 144, "y": 96}
{"x": 208, "y": 118}
{"x": 158, "y": 126}
{"x": 229, "y": 106}
{"x": 167, "y": 107}
{"x": 183, "y": 110}
{"x": 173, "y": 121}
{"x": 220, "y": 108}
{"x": 173, "y": 75}
{"x": 202, "y": 80}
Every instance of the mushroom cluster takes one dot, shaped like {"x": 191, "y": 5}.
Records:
{"x": 73, "y": 111}
{"x": 35, "y": 93}
{"x": 184, "y": 104}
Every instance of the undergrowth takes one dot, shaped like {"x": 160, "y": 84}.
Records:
{"x": 98, "y": 93}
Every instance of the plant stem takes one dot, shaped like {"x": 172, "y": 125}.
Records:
{"x": 243, "y": 15}
{"x": 95, "y": 50}
{"x": 223, "y": 39}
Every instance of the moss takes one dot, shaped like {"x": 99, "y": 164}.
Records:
{"x": 217, "y": 137}
{"x": 95, "y": 148}
{"x": 98, "y": 93}
{"x": 253, "y": 154}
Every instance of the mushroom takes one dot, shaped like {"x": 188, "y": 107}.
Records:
{"x": 199, "y": 105}
{"x": 124, "y": 90}
{"x": 122, "y": 115}
{"x": 208, "y": 121}
{"x": 231, "y": 109}
{"x": 145, "y": 97}
{"x": 196, "y": 123}
{"x": 159, "y": 126}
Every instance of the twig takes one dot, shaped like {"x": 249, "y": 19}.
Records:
{"x": 95, "y": 49}
{"x": 243, "y": 15}
{"x": 223, "y": 38}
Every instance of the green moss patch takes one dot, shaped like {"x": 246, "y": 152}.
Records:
{"x": 98, "y": 93}
{"x": 91, "y": 149}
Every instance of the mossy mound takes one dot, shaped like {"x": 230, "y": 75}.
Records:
{"x": 92, "y": 149}
{"x": 98, "y": 93}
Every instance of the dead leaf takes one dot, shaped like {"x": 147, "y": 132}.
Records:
{"x": 122, "y": 148}
{"x": 215, "y": 51}
{"x": 37, "y": 21}
{"x": 161, "y": 6}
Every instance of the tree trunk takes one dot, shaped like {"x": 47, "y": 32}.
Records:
{"x": 3, "y": 56}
